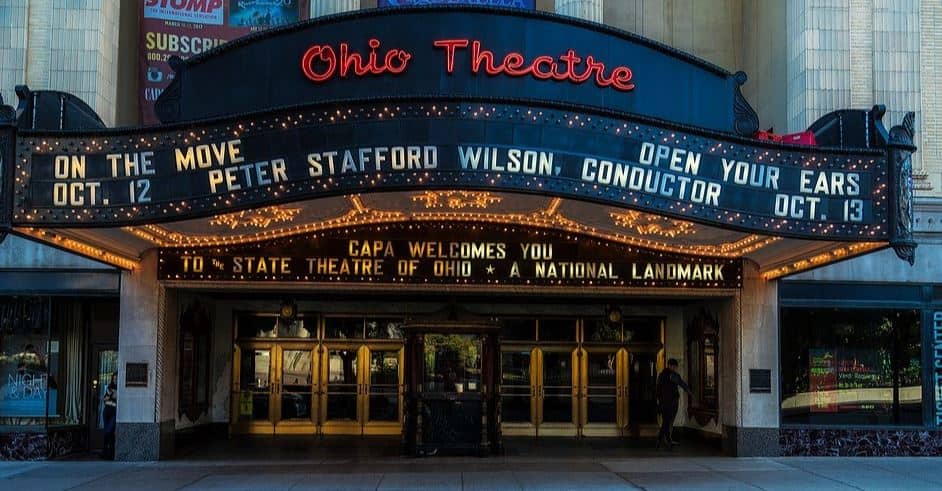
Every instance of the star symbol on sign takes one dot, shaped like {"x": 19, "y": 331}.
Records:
{"x": 490, "y": 269}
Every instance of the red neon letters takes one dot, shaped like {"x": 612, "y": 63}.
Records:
{"x": 321, "y": 63}
{"x": 541, "y": 67}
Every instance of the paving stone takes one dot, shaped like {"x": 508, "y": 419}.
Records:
{"x": 339, "y": 482}
{"x": 652, "y": 481}
{"x": 581, "y": 481}
{"x": 472, "y": 481}
{"x": 421, "y": 480}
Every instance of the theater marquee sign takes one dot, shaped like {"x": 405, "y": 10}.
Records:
{"x": 487, "y": 99}
{"x": 430, "y": 254}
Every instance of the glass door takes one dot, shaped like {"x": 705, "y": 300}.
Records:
{"x": 274, "y": 388}
{"x": 603, "y": 391}
{"x": 381, "y": 391}
{"x": 363, "y": 393}
{"x": 296, "y": 389}
{"x": 519, "y": 389}
{"x": 253, "y": 404}
{"x": 557, "y": 395}
{"x": 340, "y": 399}
{"x": 105, "y": 364}
{"x": 642, "y": 379}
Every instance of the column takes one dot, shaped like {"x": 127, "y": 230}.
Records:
{"x": 590, "y": 10}
{"x": 749, "y": 341}
{"x": 320, "y": 8}
{"x": 928, "y": 175}
{"x": 146, "y": 410}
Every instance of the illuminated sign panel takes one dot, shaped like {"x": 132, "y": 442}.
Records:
{"x": 208, "y": 169}
{"x": 430, "y": 254}
{"x": 502, "y": 55}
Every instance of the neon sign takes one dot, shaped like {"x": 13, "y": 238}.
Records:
{"x": 322, "y": 62}
{"x": 542, "y": 67}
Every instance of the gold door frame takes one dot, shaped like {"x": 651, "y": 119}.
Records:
{"x": 617, "y": 427}
{"x": 274, "y": 424}
{"x": 297, "y": 427}
{"x": 380, "y": 427}
{"x": 529, "y": 428}
{"x": 354, "y": 425}
{"x": 255, "y": 427}
{"x": 571, "y": 428}
{"x": 360, "y": 424}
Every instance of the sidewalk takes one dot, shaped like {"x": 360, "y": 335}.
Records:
{"x": 494, "y": 473}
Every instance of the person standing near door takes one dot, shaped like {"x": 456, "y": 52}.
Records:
{"x": 110, "y": 416}
{"x": 668, "y": 388}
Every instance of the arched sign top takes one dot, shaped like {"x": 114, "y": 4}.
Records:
{"x": 501, "y": 55}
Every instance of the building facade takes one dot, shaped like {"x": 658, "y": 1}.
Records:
{"x": 788, "y": 356}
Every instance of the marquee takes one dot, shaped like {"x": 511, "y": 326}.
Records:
{"x": 461, "y": 98}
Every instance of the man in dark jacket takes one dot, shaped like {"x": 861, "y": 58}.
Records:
{"x": 668, "y": 399}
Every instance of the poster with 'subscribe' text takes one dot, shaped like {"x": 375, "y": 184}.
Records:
{"x": 186, "y": 28}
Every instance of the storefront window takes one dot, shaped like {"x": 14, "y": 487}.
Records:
{"x": 25, "y": 387}
{"x": 851, "y": 367}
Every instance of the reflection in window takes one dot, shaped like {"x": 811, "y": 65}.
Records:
{"x": 599, "y": 330}
{"x": 272, "y": 326}
{"x": 452, "y": 363}
{"x": 343, "y": 327}
{"x": 342, "y": 384}
{"x": 379, "y": 328}
{"x": 515, "y": 386}
{"x": 557, "y": 387}
{"x": 843, "y": 366}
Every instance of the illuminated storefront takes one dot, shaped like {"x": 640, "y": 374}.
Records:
{"x": 500, "y": 226}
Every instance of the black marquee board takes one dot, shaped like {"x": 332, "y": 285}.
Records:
{"x": 355, "y": 148}
{"x": 429, "y": 253}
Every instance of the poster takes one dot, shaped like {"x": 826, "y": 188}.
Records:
{"x": 186, "y": 28}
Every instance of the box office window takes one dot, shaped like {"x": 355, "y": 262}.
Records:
{"x": 851, "y": 367}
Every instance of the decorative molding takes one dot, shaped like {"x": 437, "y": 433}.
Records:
{"x": 457, "y": 200}
{"x": 257, "y": 218}
{"x": 648, "y": 224}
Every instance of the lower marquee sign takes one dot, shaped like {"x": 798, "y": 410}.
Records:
{"x": 430, "y": 255}
{"x": 170, "y": 174}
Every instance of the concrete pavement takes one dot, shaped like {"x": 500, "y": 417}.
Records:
{"x": 495, "y": 473}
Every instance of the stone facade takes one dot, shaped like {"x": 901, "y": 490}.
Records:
{"x": 65, "y": 46}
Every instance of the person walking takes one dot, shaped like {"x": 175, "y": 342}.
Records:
{"x": 668, "y": 399}
{"x": 110, "y": 413}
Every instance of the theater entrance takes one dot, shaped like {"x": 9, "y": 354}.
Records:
{"x": 341, "y": 377}
{"x": 446, "y": 383}
{"x": 579, "y": 377}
